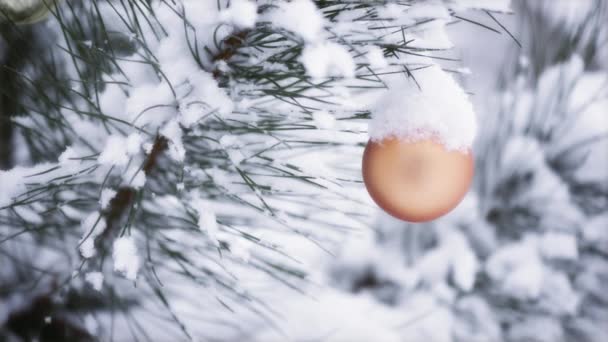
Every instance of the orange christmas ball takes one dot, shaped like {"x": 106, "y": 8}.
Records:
{"x": 416, "y": 181}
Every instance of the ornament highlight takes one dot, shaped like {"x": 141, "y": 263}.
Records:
{"x": 416, "y": 181}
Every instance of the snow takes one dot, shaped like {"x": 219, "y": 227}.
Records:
{"x": 235, "y": 156}
{"x": 595, "y": 231}
{"x": 207, "y": 90}
{"x": 91, "y": 324}
{"x": 426, "y": 319}
{"x": 430, "y": 35}
{"x": 587, "y": 132}
{"x": 92, "y": 226}
{"x": 440, "y": 108}
{"x": 491, "y": 5}
{"x": 134, "y": 143}
{"x": 28, "y": 214}
{"x": 107, "y": 195}
{"x": 192, "y": 113}
{"x": 428, "y": 10}
{"x": 69, "y": 153}
{"x": 335, "y": 316}
{"x": 207, "y": 222}
{"x": 300, "y": 17}
{"x": 229, "y": 141}
{"x": 139, "y": 180}
{"x": 529, "y": 328}
{"x": 452, "y": 258}
{"x": 327, "y": 59}
{"x": 240, "y": 250}
{"x": 323, "y": 120}
{"x": 230, "y": 144}
{"x": 134, "y": 177}
{"x": 150, "y": 104}
{"x": 434, "y": 266}
{"x": 95, "y": 279}
{"x": 114, "y": 152}
{"x": 392, "y": 11}
{"x": 559, "y": 297}
{"x": 71, "y": 212}
{"x": 475, "y": 320}
{"x": 112, "y": 101}
{"x": 375, "y": 58}
{"x": 561, "y": 76}
{"x": 518, "y": 268}
{"x": 564, "y": 12}
{"x": 464, "y": 268}
{"x": 241, "y": 13}
{"x": 555, "y": 245}
{"x": 423, "y": 24}
{"x": 126, "y": 259}
{"x": 12, "y": 182}
{"x": 525, "y": 281}
{"x": 173, "y": 132}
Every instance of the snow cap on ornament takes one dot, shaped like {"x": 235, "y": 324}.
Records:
{"x": 418, "y": 164}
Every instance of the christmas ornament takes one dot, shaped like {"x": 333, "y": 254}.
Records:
{"x": 416, "y": 181}
{"x": 24, "y": 11}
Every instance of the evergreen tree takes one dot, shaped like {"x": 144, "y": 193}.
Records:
{"x": 167, "y": 164}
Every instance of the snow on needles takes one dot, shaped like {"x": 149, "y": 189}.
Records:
{"x": 241, "y": 13}
{"x": 300, "y": 17}
{"x": 328, "y": 59}
{"x": 92, "y": 226}
{"x": 126, "y": 260}
{"x": 106, "y": 196}
{"x": 207, "y": 222}
{"x": 320, "y": 58}
{"x": 12, "y": 184}
{"x": 95, "y": 279}
{"x": 114, "y": 152}
{"x": 489, "y": 5}
{"x": 428, "y": 105}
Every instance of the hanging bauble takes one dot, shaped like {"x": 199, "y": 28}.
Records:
{"x": 417, "y": 180}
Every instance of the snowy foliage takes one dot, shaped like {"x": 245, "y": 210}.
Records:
{"x": 125, "y": 257}
{"x": 430, "y": 105}
{"x": 193, "y": 168}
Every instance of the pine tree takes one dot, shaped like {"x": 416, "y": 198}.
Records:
{"x": 161, "y": 157}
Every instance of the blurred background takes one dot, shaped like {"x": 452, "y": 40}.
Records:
{"x": 523, "y": 258}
